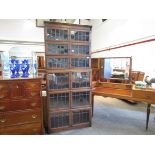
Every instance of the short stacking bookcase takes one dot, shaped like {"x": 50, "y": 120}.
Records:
{"x": 68, "y": 70}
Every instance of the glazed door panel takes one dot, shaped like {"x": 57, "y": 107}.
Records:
{"x": 58, "y": 81}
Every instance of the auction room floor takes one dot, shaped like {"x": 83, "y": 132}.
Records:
{"x": 116, "y": 117}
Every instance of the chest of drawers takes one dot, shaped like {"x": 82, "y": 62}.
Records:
{"x": 20, "y": 106}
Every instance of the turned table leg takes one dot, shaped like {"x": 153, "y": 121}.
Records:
{"x": 148, "y": 115}
{"x": 92, "y": 105}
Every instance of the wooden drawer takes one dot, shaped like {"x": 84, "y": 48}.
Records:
{"x": 30, "y": 93}
{"x": 138, "y": 94}
{"x": 17, "y": 118}
{"x": 150, "y": 95}
{"x": 143, "y": 94}
{"x": 32, "y": 85}
{"x": 12, "y": 105}
{"x": 27, "y": 129}
{"x": 4, "y": 94}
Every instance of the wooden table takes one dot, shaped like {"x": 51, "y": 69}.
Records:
{"x": 126, "y": 92}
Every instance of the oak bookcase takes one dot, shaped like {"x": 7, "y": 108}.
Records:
{"x": 68, "y": 68}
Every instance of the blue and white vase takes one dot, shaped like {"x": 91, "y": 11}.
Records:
{"x": 17, "y": 68}
{"x": 25, "y": 68}
{"x": 13, "y": 68}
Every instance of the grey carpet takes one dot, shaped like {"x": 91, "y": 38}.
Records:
{"x": 116, "y": 117}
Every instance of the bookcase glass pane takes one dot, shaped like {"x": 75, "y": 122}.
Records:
{"x": 58, "y": 81}
{"x": 57, "y": 34}
{"x": 80, "y": 49}
{"x": 80, "y": 117}
{"x": 79, "y": 35}
{"x": 57, "y": 49}
{"x": 60, "y": 100}
{"x": 57, "y": 62}
{"x": 80, "y": 62}
{"x": 60, "y": 119}
{"x": 80, "y": 79}
{"x": 80, "y": 98}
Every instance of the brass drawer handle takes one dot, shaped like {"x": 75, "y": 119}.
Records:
{"x": 33, "y": 104}
{"x": 1, "y": 86}
{"x": 33, "y": 94}
{"x": 2, "y": 120}
{"x": 34, "y": 130}
{"x": 2, "y": 108}
{"x": 2, "y": 96}
{"x": 33, "y": 85}
{"x": 34, "y": 116}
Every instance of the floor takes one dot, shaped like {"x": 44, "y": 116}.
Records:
{"x": 117, "y": 117}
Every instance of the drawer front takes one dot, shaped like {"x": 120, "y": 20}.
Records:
{"x": 144, "y": 94}
{"x": 32, "y": 85}
{"x": 4, "y": 94}
{"x": 26, "y": 129}
{"x": 17, "y": 118}
{"x": 12, "y": 105}
{"x": 32, "y": 93}
{"x": 150, "y": 95}
{"x": 138, "y": 94}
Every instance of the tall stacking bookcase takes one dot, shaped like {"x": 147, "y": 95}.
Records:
{"x": 68, "y": 68}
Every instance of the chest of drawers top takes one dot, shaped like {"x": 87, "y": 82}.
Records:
{"x": 18, "y": 88}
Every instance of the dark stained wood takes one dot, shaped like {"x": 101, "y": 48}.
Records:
{"x": 148, "y": 115}
{"x": 20, "y": 106}
{"x": 24, "y": 129}
{"x": 60, "y": 117}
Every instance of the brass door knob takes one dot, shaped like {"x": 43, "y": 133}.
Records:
{"x": 33, "y": 104}
{"x": 1, "y": 96}
{"x": 34, "y": 116}
{"x": 2, "y": 108}
{"x": 1, "y": 86}
{"x": 33, "y": 94}
{"x": 2, "y": 120}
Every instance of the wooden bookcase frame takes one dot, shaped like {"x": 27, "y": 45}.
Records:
{"x": 83, "y": 33}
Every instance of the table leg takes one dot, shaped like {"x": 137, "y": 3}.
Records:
{"x": 92, "y": 105}
{"x": 148, "y": 115}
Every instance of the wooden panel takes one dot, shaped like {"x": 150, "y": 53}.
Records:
{"x": 3, "y": 86}
{"x": 32, "y": 85}
{"x": 26, "y": 129}
{"x": 4, "y": 94}
{"x": 141, "y": 76}
{"x": 150, "y": 95}
{"x": 115, "y": 85}
{"x": 14, "y": 118}
{"x": 17, "y": 89}
{"x": 11, "y": 105}
{"x": 144, "y": 94}
{"x": 20, "y": 106}
{"x": 29, "y": 93}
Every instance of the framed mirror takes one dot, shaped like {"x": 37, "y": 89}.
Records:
{"x": 116, "y": 69}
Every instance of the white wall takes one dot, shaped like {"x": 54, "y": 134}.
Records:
{"x": 113, "y": 32}
{"x": 21, "y": 30}
{"x": 116, "y": 31}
